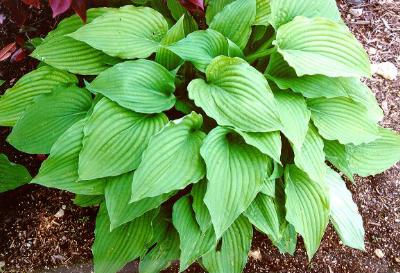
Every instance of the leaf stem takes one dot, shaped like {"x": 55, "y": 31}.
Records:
{"x": 260, "y": 53}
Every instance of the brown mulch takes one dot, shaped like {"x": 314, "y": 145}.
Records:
{"x": 33, "y": 239}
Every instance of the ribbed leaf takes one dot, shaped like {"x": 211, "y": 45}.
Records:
{"x": 294, "y": 115}
{"x": 235, "y": 173}
{"x": 237, "y": 95}
{"x": 88, "y": 200}
{"x": 142, "y": 86}
{"x": 60, "y": 169}
{"x": 202, "y": 215}
{"x": 193, "y": 242}
{"x": 40, "y": 81}
{"x": 268, "y": 143}
{"x": 12, "y": 175}
{"x": 117, "y": 133}
{"x": 165, "y": 56}
{"x": 342, "y": 119}
{"x": 263, "y": 12}
{"x": 214, "y": 7}
{"x": 113, "y": 249}
{"x": 336, "y": 154}
{"x": 65, "y": 53}
{"x": 140, "y": 30}
{"x": 48, "y": 118}
{"x": 283, "y": 11}
{"x": 161, "y": 256}
{"x": 333, "y": 49}
{"x": 200, "y": 47}
{"x": 118, "y": 193}
{"x": 307, "y": 207}
{"x": 235, "y": 246}
{"x": 377, "y": 156}
{"x": 268, "y": 188}
{"x": 172, "y": 160}
{"x": 311, "y": 157}
{"x": 344, "y": 212}
{"x": 176, "y": 9}
{"x": 235, "y": 21}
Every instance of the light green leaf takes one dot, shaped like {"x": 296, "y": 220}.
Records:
{"x": 344, "y": 213}
{"x": 193, "y": 242}
{"x": 2, "y": 82}
{"x": 263, "y": 12}
{"x": 208, "y": 44}
{"x": 113, "y": 249}
{"x": 117, "y": 133}
{"x": 235, "y": 173}
{"x": 268, "y": 188}
{"x": 305, "y": 39}
{"x": 172, "y": 160}
{"x": 268, "y": 143}
{"x": 294, "y": 115}
{"x": 214, "y": 7}
{"x": 165, "y": 56}
{"x": 88, "y": 200}
{"x": 283, "y": 11}
{"x": 40, "y": 81}
{"x": 310, "y": 158}
{"x": 236, "y": 94}
{"x": 60, "y": 169}
{"x": 176, "y": 9}
{"x": 142, "y": 86}
{"x": 342, "y": 119}
{"x": 235, "y": 21}
{"x": 140, "y": 30}
{"x": 161, "y": 256}
{"x": 336, "y": 154}
{"x": 202, "y": 215}
{"x": 48, "y": 118}
{"x": 118, "y": 193}
{"x": 377, "y": 156}
{"x": 307, "y": 207}
{"x": 12, "y": 175}
{"x": 235, "y": 246}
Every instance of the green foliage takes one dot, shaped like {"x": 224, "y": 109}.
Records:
{"x": 12, "y": 175}
{"x": 269, "y": 94}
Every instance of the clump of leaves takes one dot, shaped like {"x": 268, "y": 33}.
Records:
{"x": 202, "y": 134}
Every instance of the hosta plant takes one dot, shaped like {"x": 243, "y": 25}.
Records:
{"x": 188, "y": 137}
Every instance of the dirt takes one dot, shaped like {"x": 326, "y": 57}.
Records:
{"x": 33, "y": 239}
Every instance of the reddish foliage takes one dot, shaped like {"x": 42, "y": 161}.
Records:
{"x": 193, "y": 5}
{"x": 80, "y": 7}
{"x": 18, "y": 56}
{"x": 17, "y": 11}
{"x": 33, "y": 3}
{"x": 59, "y": 6}
{"x": 6, "y": 51}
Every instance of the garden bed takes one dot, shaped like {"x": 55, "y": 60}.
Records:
{"x": 42, "y": 231}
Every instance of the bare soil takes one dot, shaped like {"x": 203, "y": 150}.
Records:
{"x": 33, "y": 239}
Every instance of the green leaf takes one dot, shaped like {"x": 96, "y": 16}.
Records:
{"x": 283, "y": 11}
{"x": 140, "y": 30}
{"x": 202, "y": 215}
{"x": 264, "y": 215}
{"x": 113, "y": 249}
{"x": 176, "y": 9}
{"x": 158, "y": 173}
{"x": 165, "y": 56}
{"x": 263, "y": 12}
{"x": 161, "y": 256}
{"x": 235, "y": 173}
{"x": 235, "y": 246}
{"x": 56, "y": 50}
{"x": 40, "y": 81}
{"x": 12, "y": 175}
{"x": 214, "y": 7}
{"x": 118, "y": 193}
{"x": 235, "y": 21}
{"x": 60, "y": 169}
{"x": 208, "y": 44}
{"x": 236, "y": 94}
{"x": 88, "y": 200}
{"x": 2, "y": 82}
{"x": 307, "y": 207}
{"x": 268, "y": 143}
{"x": 342, "y": 119}
{"x": 294, "y": 115}
{"x": 268, "y": 187}
{"x": 377, "y": 156}
{"x": 193, "y": 242}
{"x": 310, "y": 158}
{"x": 336, "y": 154}
{"x": 117, "y": 133}
{"x": 305, "y": 39}
{"x": 344, "y": 212}
{"x": 48, "y": 118}
{"x": 142, "y": 86}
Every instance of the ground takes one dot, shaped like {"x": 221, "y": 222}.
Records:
{"x": 34, "y": 239}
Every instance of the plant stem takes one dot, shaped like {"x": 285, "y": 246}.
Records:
{"x": 260, "y": 53}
